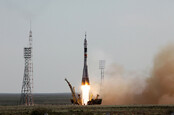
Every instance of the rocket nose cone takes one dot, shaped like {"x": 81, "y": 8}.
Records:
{"x": 85, "y": 42}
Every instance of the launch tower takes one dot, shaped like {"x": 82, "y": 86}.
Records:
{"x": 27, "y": 84}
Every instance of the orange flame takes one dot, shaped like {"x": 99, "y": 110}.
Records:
{"x": 85, "y": 93}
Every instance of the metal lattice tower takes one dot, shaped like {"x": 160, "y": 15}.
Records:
{"x": 102, "y": 67}
{"x": 27, "y": 85}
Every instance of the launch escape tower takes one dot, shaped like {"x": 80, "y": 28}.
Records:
{"x": 27, "y": 84}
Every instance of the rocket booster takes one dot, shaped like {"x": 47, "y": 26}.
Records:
{"x": 85, "y": 78}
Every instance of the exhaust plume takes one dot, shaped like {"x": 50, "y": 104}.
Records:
{"x": 158, "y": 88}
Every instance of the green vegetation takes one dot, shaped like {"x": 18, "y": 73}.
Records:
{"x": 40, "y": 98}
{"x": 87, "y": 110}
{"x": 59, "y": 104}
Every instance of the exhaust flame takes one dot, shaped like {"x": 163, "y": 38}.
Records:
{"x": 85, "y": 93}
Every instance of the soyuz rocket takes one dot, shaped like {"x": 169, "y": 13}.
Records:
{"x": 85, "y": 78}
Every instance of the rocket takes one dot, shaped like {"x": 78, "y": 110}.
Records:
{"x": 85, "y": 78}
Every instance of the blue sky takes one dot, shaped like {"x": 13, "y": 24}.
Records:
{"x": 124, "y": 32}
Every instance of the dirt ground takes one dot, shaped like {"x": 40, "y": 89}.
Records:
{"x": 88, "y": 110}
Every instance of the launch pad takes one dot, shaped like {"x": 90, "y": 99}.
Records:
{"x": 77, "y": 100}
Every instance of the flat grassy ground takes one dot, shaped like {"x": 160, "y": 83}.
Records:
{"x": 88, "y": 110}
{"x": 8, "y": 99}
{"x": 59, "y": 104}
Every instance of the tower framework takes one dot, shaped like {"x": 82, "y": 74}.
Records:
{"x": 102, "y": 67}
{"x": 27, "y": 84}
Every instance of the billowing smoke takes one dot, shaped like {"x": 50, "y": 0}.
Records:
{"x": 130, "y": 88}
